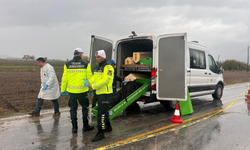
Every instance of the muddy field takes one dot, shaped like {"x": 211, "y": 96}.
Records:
{"x": 231, "y": 77}
{"x": 21, "y": 90}
{"x": 20, "y": 87}
{"x": 20, "y": 84}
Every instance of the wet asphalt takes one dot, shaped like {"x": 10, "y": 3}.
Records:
{"x": 227, "y": 130}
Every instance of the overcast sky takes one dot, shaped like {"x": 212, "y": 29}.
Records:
{"x": 53, "y": 28}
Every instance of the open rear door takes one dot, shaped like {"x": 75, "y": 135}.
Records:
{"x": 98, "y": 43}
{"x": 171, "y": 71}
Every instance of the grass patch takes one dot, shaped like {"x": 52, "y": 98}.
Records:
{"x": 235, "y": 82}
{"x": 13, "y": 112}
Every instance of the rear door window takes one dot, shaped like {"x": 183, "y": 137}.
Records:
{"x": 197, "y": 59}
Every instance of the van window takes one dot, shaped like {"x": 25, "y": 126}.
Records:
{"x": 212, "y": 65}
{"x": 197, "y": 59}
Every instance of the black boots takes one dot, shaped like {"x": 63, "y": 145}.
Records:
{"x": 87, "y": 127}
{"x": 108, "y": 127}
{"x": 99, "y": 136}
{"x": 74, "y": 127}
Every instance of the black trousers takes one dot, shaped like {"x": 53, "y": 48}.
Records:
{"x": 95, "y": 99}
{"x": 84, "y": 102}
{"x": 103, "y": 108}
{"x": 114, "y": 90}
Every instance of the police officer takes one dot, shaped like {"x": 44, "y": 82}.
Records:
{"x": 116, "y": 78}
{"x": 76, "y": 74}
{"x": 102, "y": 82}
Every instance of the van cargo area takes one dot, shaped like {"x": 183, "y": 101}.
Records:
{"x": 126, "y": 49}
{"x": 165, "y": 60}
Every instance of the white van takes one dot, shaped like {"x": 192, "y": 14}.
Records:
{"x": 177, "y": 65}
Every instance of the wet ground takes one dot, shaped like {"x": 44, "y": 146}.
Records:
{"x": 149, "y": 129}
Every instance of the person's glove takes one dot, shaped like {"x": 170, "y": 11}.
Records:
{"x": 64, "y": 93}
{"x": 45, "y": 86}
{"x": 86, "y": 82}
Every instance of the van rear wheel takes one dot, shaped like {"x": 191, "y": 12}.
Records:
{"x": 169, "y": 105}
{"x": 218, "y": 92}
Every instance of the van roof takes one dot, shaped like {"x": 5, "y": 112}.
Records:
{"x": 192, "y": 44}
{"x": 155, "y": 35}
{"x": 138, "y": 36}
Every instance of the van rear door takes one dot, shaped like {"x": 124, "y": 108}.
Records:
{"x": 98, "y": 43}
{"x": 172, "y": 64}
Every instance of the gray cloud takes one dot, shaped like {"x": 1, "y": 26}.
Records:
{"x": 54, "y": 28}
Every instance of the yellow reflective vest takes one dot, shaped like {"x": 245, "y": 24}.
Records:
{"x": 102, "y": 79}
{"x": 75, "y": 71}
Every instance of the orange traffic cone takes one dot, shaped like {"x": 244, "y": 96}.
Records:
{"x": 248, "y": 96}
{"x": 177, "y": 118}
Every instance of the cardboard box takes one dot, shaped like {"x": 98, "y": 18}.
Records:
{"x": 133, "y": 76}
{"x": 129, "y": 61}
{"x": 137, "y": 56}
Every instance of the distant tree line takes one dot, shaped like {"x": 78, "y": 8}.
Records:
{"x": 26, "y": 57}
{"x": 233, "y": 65}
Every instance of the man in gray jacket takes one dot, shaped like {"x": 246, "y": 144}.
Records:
{"x": 49, "y": 88}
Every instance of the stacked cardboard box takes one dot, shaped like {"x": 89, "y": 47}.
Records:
{"x": 129, "y": 61}
{"x": 137, "y": 56}
{"x": 139, "y": 61}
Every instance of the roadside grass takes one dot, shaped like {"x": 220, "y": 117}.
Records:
{"x": 13, "y": 113}
{"x": 235, "y": 82}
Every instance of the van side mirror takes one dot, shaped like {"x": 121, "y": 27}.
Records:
{"x": 221, "y": 70}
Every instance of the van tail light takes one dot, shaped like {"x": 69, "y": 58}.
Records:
{"x": 153, "y": 80}
{"x": 153, "y": 87}
{"x": 153, "y": 72}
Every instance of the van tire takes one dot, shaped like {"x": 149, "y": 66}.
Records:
{"x": 218, "y": 92}
{"x": 169, "y": 105}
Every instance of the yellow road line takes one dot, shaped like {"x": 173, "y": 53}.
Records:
{"x": 22, "y": 116}
{"x": 159, "y": 131}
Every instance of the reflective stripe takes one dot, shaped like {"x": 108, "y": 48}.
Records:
{"x": 103, "y": 90}
{"x": 97, "y": 87}
{"x": 76, "y": 87}
{"x": 177, "y": 113}
{"x": 103, "y": 123}
{"x": 77, "y": 71}
{"x": 97, "y": 73}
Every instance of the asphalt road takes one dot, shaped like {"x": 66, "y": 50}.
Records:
{"x": 215, "y": 124}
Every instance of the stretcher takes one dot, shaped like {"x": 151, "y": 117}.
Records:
{"x": 130, "y": 99}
